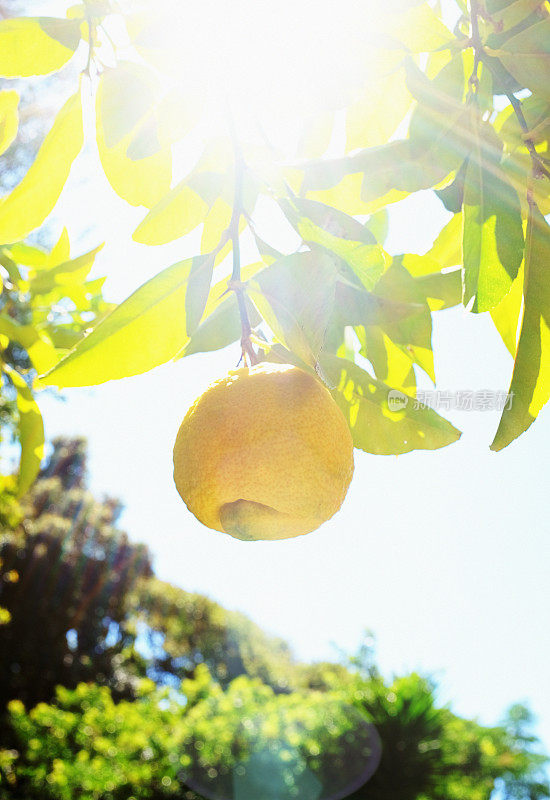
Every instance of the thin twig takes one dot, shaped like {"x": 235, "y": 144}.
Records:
{"x": 235, "y": 283}
{"x": 538, "y": 167}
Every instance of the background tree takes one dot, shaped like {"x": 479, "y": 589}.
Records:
{"x": 183, "y": 696}
{"x": 65, "y": 573}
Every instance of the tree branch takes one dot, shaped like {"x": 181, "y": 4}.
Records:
{"x": 538, "y": 168}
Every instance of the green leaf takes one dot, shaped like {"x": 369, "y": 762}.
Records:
{"x": 440, "y": 127}
{"x": 175, "y": 215}
{"x": 536, "y": 111}
{"x": 452, "y": 195}
{"x": 36, "y": 45}
{"x": 506, "y": 315}
{"x": 216, "y": 225}
{"x": 355, "y": 306}
{"x": 413, "y": 331}
{"x": 221, "y": 322}
{"x": 527, "y": 57}
{"x": 493, "y": 233}
{"x": 339, "y": 234}
{"x": 31, "y": 431}
{"x": 221, "y": 328}
{"x": 441, "y": 289}
{"x": 137, "y": 163}
{"x": 391, "y": 364}
{"x": 375, "y": 428}
{"x": 378, "y": 225}
{"x": 27, "y": 254}
{"x": 419, "y": 28}
{"x": 295, "y": 296}
{"x": 34, "y": 197}
{"x": 67, "y": 273}
{"x": 530, "y": 385}
{"x": 61, "y": 251}
{"x": 447, "y": 248}
{"x": 198, "y": 287}
{"x": 9, "y": 118}
{"x": 372, "y": 120}
{"x": 309, "y": 215}
{"x": 40, "y": 349}
{"x": 147, "y": 329}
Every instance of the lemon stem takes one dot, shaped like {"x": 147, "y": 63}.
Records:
{"x": 235, "y": 284}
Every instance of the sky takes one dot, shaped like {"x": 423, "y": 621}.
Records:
{"x": 443, "y": 555}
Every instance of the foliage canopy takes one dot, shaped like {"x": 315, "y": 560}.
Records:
{"x": 114, "y": 684}
{"x": 440, "y": 109}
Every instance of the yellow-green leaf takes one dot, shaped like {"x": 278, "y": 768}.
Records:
{"x": 31, "y": 431}
{"x": 137, "y": 164}
{"x": 419, "y": 28}
{"x": 9, "y": 118}
{"x": 492, "y": 242}
{"x": 527, "y": 57}
{"x": 36, "y": 45}
{"x": 383, "y": 420}
{"x": 295, "y": 296}
{"x": 147, "y": 329}
{"x": 507, "y": 314}
{"x": 177, "y": 214}
{"x": 34, "y": 197}
{"x": 374, "y": 117}
{"x": 61, "y": 251}
{"x": 39, "y": 347}
{"x": 530, "y": 385}
{"x": 31, "y": 256}
{"x": 68, "y": 272}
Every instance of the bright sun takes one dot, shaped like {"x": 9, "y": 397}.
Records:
{"x": 282, "y": 59}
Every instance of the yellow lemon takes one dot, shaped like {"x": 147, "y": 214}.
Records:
{"x": 264, "y": 453}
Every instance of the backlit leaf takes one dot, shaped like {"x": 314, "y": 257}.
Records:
{"x": 391, "y": 364}
{"x": 34, "y": 197}
{"x": 295, "y": 296}
{"x": 137, "y": 164}
{"x": 419, "y": 28}
{"x": 177, "y": 214}
{"x": 527, "y": 57}
{"x": 40, "y": 349}
{"x": 339, "y": 234}
{"x": 530, "y": 385}
{"x": 70, "y": 272}
{"x": 368, "y": 405}
{"x": 24, "y": 253}
{"x": 506, "y": 315}
{"x": 36, "y": 45}
{"x": 492, "y": 233}
{"x": 374, "y": 117}
{"x": 9, "y": 118}
{"x": 147, "y": 329}
{"x": 31, "y": 431}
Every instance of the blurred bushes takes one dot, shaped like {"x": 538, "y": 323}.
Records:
{"x": 115, "y": 685}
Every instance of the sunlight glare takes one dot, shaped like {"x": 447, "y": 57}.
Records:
{"x": 283, "y": 59}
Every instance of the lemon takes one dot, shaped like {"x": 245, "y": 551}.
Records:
{"x": 264, "y": 453}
